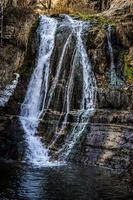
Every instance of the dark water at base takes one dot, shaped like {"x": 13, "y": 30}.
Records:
{"x": 19, "y": 182}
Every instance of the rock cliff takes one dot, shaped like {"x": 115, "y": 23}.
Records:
{"x": 108, "y": 140}
{"x": 20, "y": 23}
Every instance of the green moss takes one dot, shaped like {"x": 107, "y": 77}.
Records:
{"x": 100, "y": 21}
{"x": 129, "y": 72}
{"x": 105, "y": 20}
{"x": 86, "y": 16}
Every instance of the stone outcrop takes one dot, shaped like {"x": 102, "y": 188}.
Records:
{"x": 107, "y": 145}
{"x": 108, "y": 140}
{"x": 19, "y": 32}
{"x": 18, "y": 27}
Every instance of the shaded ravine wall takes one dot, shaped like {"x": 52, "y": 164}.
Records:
{"x": 19, "y": 46}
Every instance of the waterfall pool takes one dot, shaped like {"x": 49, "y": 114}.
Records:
{"x": 21, "y": 182}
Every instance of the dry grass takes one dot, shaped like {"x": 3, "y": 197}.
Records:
{"x": 63, "y": 8}
{"x": 72, "y": 10}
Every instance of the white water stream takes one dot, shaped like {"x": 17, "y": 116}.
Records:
{"x": 34, "y": 102}
{"x": 114, "y": 79}
{"x": 89, "y": 88}
{"x": 35, "y": 99}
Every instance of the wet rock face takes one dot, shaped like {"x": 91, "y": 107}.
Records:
{"x": 62, "y": 34}
{"x": 98, "y": 50}
{"x": 11, "y": 138}
{"x": 108, "y": 141}
{"x": 112, "y": 98}
{"x": 63, "y": 63}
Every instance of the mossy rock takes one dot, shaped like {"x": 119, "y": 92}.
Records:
{"x": 129, "y": 72}
{"x": 100, "y": 20}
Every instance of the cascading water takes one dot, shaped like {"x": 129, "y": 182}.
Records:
{"x": 114, "y": 79}
{"x": 34, "y": 101}
{"x": 78, "y": 30}
{"x": 40, "y": 94}
{"x": 52, "y": 89}
{"x": 89, "y": 88}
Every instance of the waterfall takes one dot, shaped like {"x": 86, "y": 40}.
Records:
{"x": 52, "y": 89}
{"x": 114, "y": 79}
{"x": 89, "y": 88}
{"x": 40, "y": 92}
{"x": 34, "y": 102}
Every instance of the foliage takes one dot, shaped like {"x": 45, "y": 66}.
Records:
{"x": 101, "y": 20}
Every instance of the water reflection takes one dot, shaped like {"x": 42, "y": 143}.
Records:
{"x": 60, "y": 183}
